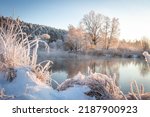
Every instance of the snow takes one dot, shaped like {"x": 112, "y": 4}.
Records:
{"x": 26, "y": 86}
{"x": 147, "y": 56}
{"x": 72, "y": 93}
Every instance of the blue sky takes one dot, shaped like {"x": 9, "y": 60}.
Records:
{"x": 134, "y": 15}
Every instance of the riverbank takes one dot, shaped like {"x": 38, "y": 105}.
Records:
{"x": 124, "y": 53}
{"x": 57, "y": 53}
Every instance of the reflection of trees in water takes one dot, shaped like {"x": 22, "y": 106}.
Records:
{"x": 105, "y": 66}
{"x": 144, "y": 68}
{"x": 72, "y": 66}
{"x": 109, "y": 67}
{"x": 102, "y": 67}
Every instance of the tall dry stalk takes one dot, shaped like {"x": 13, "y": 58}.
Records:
{"x": 17, "y": 51}
{"x": 136, "y": 92}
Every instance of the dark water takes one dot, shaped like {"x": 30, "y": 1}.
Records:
{"x": 126, "y": 70}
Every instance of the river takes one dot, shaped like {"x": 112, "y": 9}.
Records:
{"x": 126, "y": 70}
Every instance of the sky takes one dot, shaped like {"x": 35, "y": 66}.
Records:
{"x": 134, "y": 15}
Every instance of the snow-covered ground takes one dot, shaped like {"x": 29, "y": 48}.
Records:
{"x": 26, "y": 86}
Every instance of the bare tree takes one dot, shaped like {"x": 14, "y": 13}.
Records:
{"x": 114, "y": 31}
{"x": 106, "y": 30}
{"x": 100, "y": 27}
{"x": 93, "y": 25}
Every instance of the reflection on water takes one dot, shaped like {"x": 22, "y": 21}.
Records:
{"x": 126, "y": 70}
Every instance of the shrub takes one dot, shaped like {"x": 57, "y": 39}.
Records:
{"x": 45, "y": 36}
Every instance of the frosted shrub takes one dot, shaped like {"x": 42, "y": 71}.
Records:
{"x": 3, "y": 96}
{"x": 147, "y": 56}
{"x": 17, "y": 51}
{"x": 45, "y": 36}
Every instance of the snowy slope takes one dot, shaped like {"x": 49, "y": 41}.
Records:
{"x": 26, "y": 86}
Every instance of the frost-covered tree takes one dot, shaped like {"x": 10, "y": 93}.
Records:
{"x": 114, "y": 31}
{"x": 75, "y": 37}
{"x": 93, "y": 25}
{"x": 106, "y": 30}
{"x": 100, "y": 28}
{"x": 145, "y": 43}
{"x": 110, "y": 31}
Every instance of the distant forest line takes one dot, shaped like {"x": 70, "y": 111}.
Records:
{"x": 96, "y": 34}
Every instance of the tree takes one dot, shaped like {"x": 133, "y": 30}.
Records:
{"x": 93, "y": 25}
{"x": 100, "y": 27}
{"x": 75, "y": 38}
{"x": 114, "y": 31}
{"x": 106, "y": 30}
{"x": 110, "y": 30}
{"x": 145, "y": 43}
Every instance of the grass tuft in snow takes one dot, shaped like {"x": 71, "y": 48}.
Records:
{"x": 17, "y": 51}
{"x": 136, "y": 92}
{"x": 102, "y": 87}
{"x": 3, "y": 96}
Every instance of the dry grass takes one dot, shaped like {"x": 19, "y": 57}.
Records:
{"x": 17, "y": 51}
{"x": 102, "y": 87}
{"x": 137, "y": 93}
{"x": 3, "y": 96}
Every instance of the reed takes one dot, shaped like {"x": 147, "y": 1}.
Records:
{"x": 16, "y": 50}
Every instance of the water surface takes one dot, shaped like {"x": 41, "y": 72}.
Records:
{"x": 126, "y": 70}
